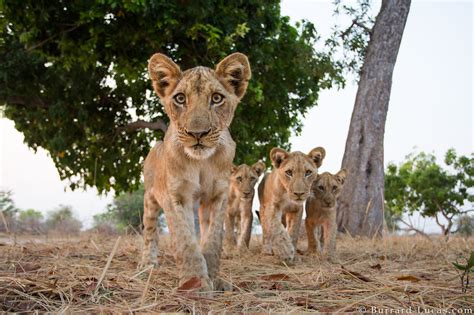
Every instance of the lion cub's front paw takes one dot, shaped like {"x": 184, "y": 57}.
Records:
{"x": 148, "y": 261}
{"x": 267, "y": 250}
{"x": 221, "y": 285}
{"x": 286, "y": 252}
{"x": 196, "y": 284}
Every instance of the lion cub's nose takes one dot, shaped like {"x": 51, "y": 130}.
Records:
{"x": 299, "y": 194}
{"x": 198, "y": 134}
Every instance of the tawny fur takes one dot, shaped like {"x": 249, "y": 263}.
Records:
{"x": 193, "y": 162}
{"x": 284, "y": 192}
{"x": 239, "y": 215}
{"x": 321, "y": 212}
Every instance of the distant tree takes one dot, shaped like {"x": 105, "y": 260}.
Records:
{"x": 105, "y": 223}
{"x": 126, "y": 211}
{"x": 8, "y": 211}
{"x": 62, "y": 220}
{"x": 30, "y": 221}
{"x": 465, "y": 225}
{"x": 73, "y": 77}
{"x": 422, "y": 185}
{"x": 392, "y": 219}
{"x": 360, "y": 206}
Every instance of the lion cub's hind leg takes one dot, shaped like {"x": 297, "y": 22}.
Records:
{"x": 150, "y": 235}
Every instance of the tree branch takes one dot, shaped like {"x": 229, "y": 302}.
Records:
{"x": 355, "y": 23}
{"x": 21, "y": 100}
{"x": 414, "y": 229}
{"x": 442, "y": 226}
{"x": 52, "y": 37}
{"x": 159, "y": 124}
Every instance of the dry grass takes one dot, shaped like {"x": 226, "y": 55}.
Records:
{"x": 393, "y": 273}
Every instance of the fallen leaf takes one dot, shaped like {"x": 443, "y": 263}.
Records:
{"x": 303, "y": 301}
{"x": 299, "y": 251}
{"x": 409, "y": 278}
{"x": 244, "y": 285}
{"x": 277, "y": 286}
{"x": 27, "y": 267}
{"x": 355, "y": 274}
{"x": 377, "y": 266}
{"x": 276, "y": 277}
{"x": 406, "y": 289}
{"x": 191, "y": 284}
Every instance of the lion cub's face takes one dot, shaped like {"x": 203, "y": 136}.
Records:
{"x": 244, "y": 178}
{"x": 327, "y": 187}
{"x": 297, "y": 171}
{"x": 200, "y": 101}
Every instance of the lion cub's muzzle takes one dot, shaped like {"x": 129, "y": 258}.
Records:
{"x": 198, "y": 135}
{"x": 299, "y": 197}
{"x": 199, "y": 144}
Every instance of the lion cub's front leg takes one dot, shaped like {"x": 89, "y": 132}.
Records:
{"x": 150, "y": 235}
{"x": 280, "y": 240}
{"x": 212, "y": 244}
{"x": 293, "y": 223}
{"x": 246, "y": 220}
{"x": 187, "y": 252}
{"x": 329, "y": 236}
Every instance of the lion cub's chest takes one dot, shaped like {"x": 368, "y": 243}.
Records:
{"x": 320, "y": 215}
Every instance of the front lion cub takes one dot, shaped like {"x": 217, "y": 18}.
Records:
{"x": 321, "y": 211}
{"x": 284, "y": 192}
{"x": 193, "y": 162}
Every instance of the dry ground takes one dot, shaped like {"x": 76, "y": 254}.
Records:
{"x": 392, "y": 274}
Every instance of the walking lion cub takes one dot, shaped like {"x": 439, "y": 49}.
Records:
{"x": 193, "y": 162}
{"x": 284, "y": 192}
{"x": 239, "y": 215}
{"x": 321, "y": 212}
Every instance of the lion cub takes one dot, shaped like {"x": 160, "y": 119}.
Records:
{"x": 239, "y": 203}
{"x": 284, "y": 192}
{"x": 193, "y": 162}
{"x": 321, "y": 211}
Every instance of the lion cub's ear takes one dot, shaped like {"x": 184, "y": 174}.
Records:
{"x": 317, "y": 155}
{"x": 235, "y": 72}
{"x": 341, "y": 176}
{"x": 277, "y": 156}
{"x": 259, "y": 167}
{"x": 234, "y": 168}
{"x": 164, "y": 74}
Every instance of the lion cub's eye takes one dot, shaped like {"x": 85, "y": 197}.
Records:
{"x": 289, "y": 173}
{"x": 239, "y": 178}
{"x": 308, "y": 173}
{"x": 321, "y": 187}
{"x": 179, "y": 99}
{"x": 253, "y": 178}
{"x": 334, "y": 188}
{"x": 217, "y": 99}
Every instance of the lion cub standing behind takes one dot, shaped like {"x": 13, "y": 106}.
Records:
{"x": 239, "y": 203}
{"x": 284, "y": 192}
{"x": 321, "y": 211}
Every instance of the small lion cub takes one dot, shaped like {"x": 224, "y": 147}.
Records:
{"x": 321, "y": 212}
{"x": 239, "y": 215}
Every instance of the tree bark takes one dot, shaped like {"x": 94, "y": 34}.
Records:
{"x": 360, "y": 206}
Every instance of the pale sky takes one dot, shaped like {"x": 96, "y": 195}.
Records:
{"x": 431, "y": 107}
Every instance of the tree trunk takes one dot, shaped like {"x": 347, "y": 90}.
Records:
{"x": 360, "y": 206}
